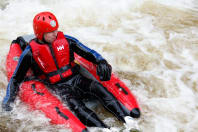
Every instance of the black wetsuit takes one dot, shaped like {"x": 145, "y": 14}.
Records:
{"x": 71, "y": 89}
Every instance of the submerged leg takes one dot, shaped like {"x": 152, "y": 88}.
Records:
{"x": 108, "y": 100}
{"x": 84, "y": 114}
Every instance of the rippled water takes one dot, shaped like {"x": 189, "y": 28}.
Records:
{"x": 151, "y": 44}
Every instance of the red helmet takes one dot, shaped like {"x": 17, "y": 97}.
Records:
{"x": 44, "y": 22}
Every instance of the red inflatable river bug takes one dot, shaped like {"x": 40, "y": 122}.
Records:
{"x": 36, "y": 95}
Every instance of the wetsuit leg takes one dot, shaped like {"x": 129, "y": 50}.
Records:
{"x": 85, "y": 115}
{"x": 108, "y": 100}
{"x": 105, "y": 97}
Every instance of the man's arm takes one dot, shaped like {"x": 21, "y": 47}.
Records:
{"x": 17, "y": 77}
{"x": 103, "y": 68}
{"x": 84, "y": 51}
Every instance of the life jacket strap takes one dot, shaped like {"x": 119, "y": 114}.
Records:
{"x": 59, "y": 71}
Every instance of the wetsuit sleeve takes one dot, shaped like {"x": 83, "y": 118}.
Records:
{"x": 84, "y": 51}
{"x": 18, "y": 76}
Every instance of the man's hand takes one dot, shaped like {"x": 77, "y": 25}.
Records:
{"x": 104, "y": 70}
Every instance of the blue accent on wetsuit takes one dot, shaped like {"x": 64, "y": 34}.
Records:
{"x": 17, "y": 77}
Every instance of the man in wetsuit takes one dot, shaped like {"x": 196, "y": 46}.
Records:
{"x": 51, "y": 54}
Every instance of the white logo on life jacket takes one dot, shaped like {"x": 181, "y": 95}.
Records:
{"x": 60, "y": 47}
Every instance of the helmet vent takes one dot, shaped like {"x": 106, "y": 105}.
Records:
{"x": 38, "y": 17}
{"x": 50, "y": 17}
{"x": 43, "y": 18}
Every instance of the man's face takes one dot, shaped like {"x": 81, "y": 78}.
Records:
{"x": 50, "y": 36}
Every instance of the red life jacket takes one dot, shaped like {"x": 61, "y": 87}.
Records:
{"x": 53, "y": 59}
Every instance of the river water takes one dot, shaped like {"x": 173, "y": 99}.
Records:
{"x": 152, "y": 46}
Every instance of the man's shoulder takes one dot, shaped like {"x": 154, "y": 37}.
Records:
{"x": 68, "y": 37}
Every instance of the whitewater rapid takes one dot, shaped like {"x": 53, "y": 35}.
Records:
{"x": 152, "y": 46}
